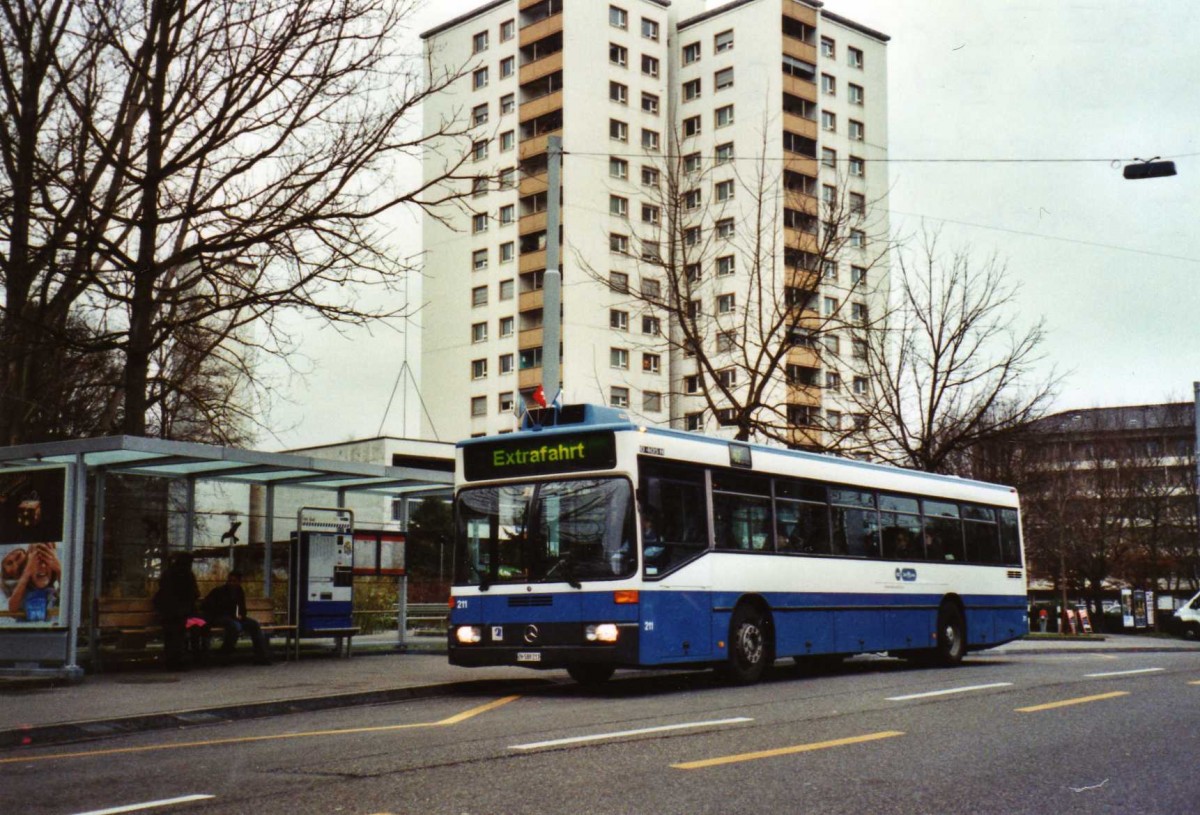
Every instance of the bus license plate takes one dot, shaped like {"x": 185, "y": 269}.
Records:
{"x": 529, "y": 656}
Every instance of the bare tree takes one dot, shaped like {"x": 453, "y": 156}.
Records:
{"x": 947, "y": 366}
{"x": 737, "y": 259}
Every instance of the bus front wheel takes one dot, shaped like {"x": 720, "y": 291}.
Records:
{"x": 590, "y": 674}
{"x": 749, "y": 646}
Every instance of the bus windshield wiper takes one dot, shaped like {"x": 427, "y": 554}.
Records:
{"x": 568, "y": 571}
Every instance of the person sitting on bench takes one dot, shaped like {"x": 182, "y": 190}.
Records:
{"x": 226, "y": 606}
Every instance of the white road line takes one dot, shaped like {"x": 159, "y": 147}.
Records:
{"x": 1124, "y": 673}
{"x": 183, "y": 799}
{"x": 947, "y": 692}
{"x": 642, "y": 731}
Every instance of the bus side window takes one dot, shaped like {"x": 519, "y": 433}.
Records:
{"x": 1010, "y": 538}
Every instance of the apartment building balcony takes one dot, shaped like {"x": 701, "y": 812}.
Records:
{"x": 797, "y": 163}
{"x": 529, "y": 300}
{"x": 802, "y": 201}
{"x": 534, "y": 222}
{"x": 799, "y": 49}
{"x": 532, "y": 261}
{"x": 804, "y": 88}
{"x": 806, "y": 437}
{"x": 533, "y": 184}
{"x": 799, "y": 125}
{"x": 539, "y": 68}
{"x": 529, "y": 378}
{"x": 529, "y": 338}
{"x": 804, "y": 357}
{"x": 540, "y": 106}
{"x": 801, "y": 240}
{"x": 536, "y": 145}
{"x": 805, "y": 279}
{"x": 532, "y": 32}
{"x": 804, "y": 395}
{"x": 799, "y": 11}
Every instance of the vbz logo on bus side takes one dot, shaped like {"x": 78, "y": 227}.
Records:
{"x": 907, "y": 575}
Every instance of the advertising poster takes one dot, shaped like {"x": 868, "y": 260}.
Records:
{"x": 1127, "y": 608}
{"x": 1139, "y": 609}
{"x": 32, "y": 554}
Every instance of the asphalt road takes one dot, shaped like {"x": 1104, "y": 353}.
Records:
{"x": 1085, "y": 733}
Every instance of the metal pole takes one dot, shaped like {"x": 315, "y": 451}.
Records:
{"x": 552, "y": 281}
{"x": 76, "y": 526}
{"x": 270, "y": 527}
{"x": 189, "y": 536}
{"x": 97, "y": 569}
{"x": 402, "y": 589}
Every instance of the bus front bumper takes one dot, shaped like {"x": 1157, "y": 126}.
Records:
{"x": 553, "y": 646}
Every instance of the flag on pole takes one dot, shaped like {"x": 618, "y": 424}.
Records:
{"x": 539, "y": 396}
{"x": 558, "y": 400}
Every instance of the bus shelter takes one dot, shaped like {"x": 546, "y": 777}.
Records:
{"x": 53, "y": 498}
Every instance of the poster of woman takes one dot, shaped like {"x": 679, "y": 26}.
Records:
{"x": 31, "y": 548}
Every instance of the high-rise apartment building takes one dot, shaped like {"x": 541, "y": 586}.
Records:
{"x": 710, "y": 151}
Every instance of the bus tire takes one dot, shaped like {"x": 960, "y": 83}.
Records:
{"x": 951, "y": 636}
{"x": 590, "y": 674}
{"x": 749, "y": 646}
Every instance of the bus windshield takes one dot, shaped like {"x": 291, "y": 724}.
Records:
{"x": 550, "y": 531}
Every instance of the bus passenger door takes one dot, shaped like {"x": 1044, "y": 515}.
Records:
{"x": 676, "y": 626}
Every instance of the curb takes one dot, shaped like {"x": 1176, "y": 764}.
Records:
{"x": 70, "y": 732}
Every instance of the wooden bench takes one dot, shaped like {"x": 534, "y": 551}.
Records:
{"x": 132, "y": 622}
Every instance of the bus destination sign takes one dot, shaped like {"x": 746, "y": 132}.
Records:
{"x": 513, "y": 458}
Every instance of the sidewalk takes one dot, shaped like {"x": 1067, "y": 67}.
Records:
{"x": 147, "y": 697}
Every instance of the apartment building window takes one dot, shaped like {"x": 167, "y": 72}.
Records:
{"x": 693, "y": 310}
{"x": 691, "y": 126}
{"x": 618, "y": 93}
{"x": 692, "y": 236}
{"x": 828, "y": 85}
{"x": 479, "y": 332}
{"x": 479, "y": 42}
{"x": 856, "y": 94}
{"x": 723, "y": 41}
{"x": 857, "y": 130}
{"x": 650, "y": 214}
{"x": 692, "y": 272}
{"x": 618, "y": 358}
{"x": 691, "y": 90}
{"x": 508, "y": 103}
{"x": 858, "y": 312}
{"x": 618, "y": 130}
{"x": 618, "y": 17}
{"x": 726, "y": 341}
{"x": 508, "y": 30}
{"x": 799, "y": 68}
{"x": 529, "y": 358}
{"x": 858, "y": 276}
{"x": 618, "y": 54}
{"x": 724, "y": 153}
{"x": 619, "y": 206}
{"x": 726, "y": 265}
{"x": 829, "y": 193}
{"x": 649, "y": 177}
{"x": 692, "y": 163}
{"x": 829, "y": 270}
{"x": 860, "y": 385}
{"x": 650, "y": 139}
{"x": 725, "y": 228}
{"x": 691, "y": 53}
{"x": 724, "y": 190}
{"x": 858, "y": 202}
{"x": 651, "y": 289}
{"x": 649, "y": 29}
{"x": 691, "y": 384}
{"x": 726, "y": 303}
{"x": 478, "y": 406}
{"x": 507, "y": 325}
{"x": 479, "y": 150}
{"x": 618, "y": 243}
{"x": 507, "y": 141}
{"x": 858, "y": 239}
{"x": 650, "y": 325}
{"x": 828, "y": 157}
{"x": 833, "y": 419}
{"x": 479, "y": 222}
{"x": 651, "y": 251}
{"x": 723, "y": 116}
{"x": 479, "y": 79}
{"x": 479, "y": 296}
{"x": 858, "y": 167}
{"x": 691, "y": 199}
{"x": 649, "y": 65}
{"x": 507, "y": 289}
{"x": 828, "y": 121}
{"x": 829, "y": 306}
{"x": 479, "y": 369}
{"x": 618, "y": 167}
{"x": 533, "y": 281}
{"x": 650, "y": 103}
{"x": 833, "y": 344}
{"x": 507, "y": 364}
{"x": 507, "y": 214}
{"x": 619, "y": 397}
{"x": 833, "y": 381}
{"x": 651, "y": 363}
{"x": 651, "y": 402}
{"x": 618, "y": 282}
{"x": 618, "y": 320}
{"x": 479, "y": 115}
{"x": 828, "y": 48}
{"x": 854, "y": 57}
{"x": 506, "y": 403}
{"x": 693, "y": 422}
{"x": 507, "y": 67}
{"x": 723, "y": 79}
{"x": 479, "y": 259}
{"x": 727, "y": 377}
{"x": 858, "y": 349}
{"x": 507, "y": 252}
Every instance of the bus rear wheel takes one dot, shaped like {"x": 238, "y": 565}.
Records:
{"x": 749, "y": 646}
{"x": 951, "y": 636}
{"x": 590, "y": 674}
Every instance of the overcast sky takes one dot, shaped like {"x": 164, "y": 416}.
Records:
{"x": 1112, "y": 265}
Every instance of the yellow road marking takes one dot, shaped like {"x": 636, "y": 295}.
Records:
{"x": 460, "y": 717}
{"x": 1068, "y": 702}
{"x": 785, "y": 751}
{"x": 1197, "y": 682}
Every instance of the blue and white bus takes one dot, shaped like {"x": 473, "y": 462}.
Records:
{"x": 594, "y": 543}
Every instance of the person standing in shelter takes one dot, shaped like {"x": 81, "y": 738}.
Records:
{"x": 226, "y": 606}
{"x": 175, "y": 601}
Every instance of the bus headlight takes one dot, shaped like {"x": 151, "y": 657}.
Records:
{"x": 468, "y": 634}
{"x": 604, "y": 632}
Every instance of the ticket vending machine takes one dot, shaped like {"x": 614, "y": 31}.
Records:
{"x": 321, "y": 583}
